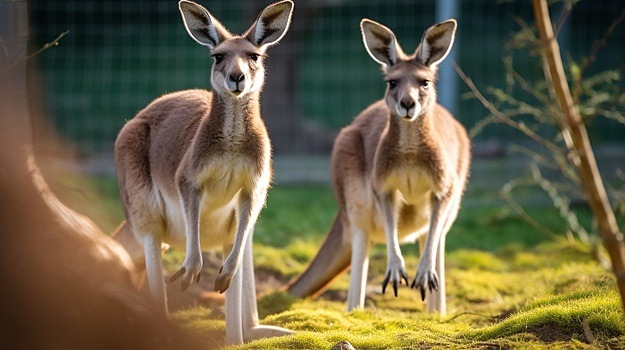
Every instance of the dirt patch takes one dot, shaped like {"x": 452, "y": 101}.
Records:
{"x": 551, "y": 333}
{"x": 334, "y": 295}
{"x": 178, "y": 299}
{"x": 267, "y": 281}
{"x": 502, "y": 316}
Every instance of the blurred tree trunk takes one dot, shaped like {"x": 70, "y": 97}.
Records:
{"x": 580, "y": 148}
{"x": 289, "y": 130}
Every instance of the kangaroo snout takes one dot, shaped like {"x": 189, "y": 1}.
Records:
{"x": 407, "y": 104}
{"x": 236, "y": 82}
{"x": 408, "y": 108}
{"x": 236, "y": 77}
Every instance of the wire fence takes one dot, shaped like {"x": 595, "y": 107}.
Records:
{"x": 120, "y": 55}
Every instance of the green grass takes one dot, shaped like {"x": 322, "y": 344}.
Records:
{"x": 508, "y": 286}
{"x": 516, "y": 304}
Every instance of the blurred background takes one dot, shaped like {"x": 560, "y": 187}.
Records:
{"x": 120, "y": 55}
{"x": 117, "y": 56}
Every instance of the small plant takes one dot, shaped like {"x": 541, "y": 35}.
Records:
{"x": 530, "y": 107}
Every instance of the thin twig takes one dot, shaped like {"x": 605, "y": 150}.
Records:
{"x": 467, "y": 313}
{"x": 590, "y": 338}
{"x": 46, "y": 46}
{"x": 535, "y": 156}
{"x": 561, "y": 203}
{"x": 522, "y": 213}
{"x": 557, "y": 151}
{"x": 592, "y": 56}
{"x": 526, "y": 86}
{"x": 504, "y": 118}
{"x": 568, "y": 6}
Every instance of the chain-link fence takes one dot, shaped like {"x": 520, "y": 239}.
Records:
{"x": 119, "y": 55}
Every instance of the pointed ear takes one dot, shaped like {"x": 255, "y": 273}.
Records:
{"x": 436, "y": 43}
{"x": 380, "y": 43}
{"x": 201, "y": 26}
{"x": 271, "y": 25}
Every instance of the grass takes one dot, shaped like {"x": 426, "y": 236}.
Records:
{"x": 508, "y": 286}
{"x": 543, "y": 304}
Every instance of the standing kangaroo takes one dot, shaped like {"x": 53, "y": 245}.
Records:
{"x": 399, "y": 172}
{"x": 194, "y": 167}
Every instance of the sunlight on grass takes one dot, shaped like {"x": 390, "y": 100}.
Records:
{"x": 322, "y": 328}
{"x": 507, "y": 285}
{"x": 288, "y": 260}
{"x": 513, "y": 305}
{"x": 198, "y": 322}
{"x": 564, "y": 315}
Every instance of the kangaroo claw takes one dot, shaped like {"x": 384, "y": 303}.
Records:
{"x": 223, "y": 281}
{"x": 425, "y": 279}
{"x": 394, "y": 277}
{"x": 385, "y": 282}
{"x": 189, "y": 275}
{"x": 177, "y": 274}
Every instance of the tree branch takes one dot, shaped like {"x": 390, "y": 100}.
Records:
{"x": 46, "y": 46}
{"x": 589, "y": 173}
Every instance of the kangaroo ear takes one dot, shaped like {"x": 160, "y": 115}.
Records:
{"x": 380, "y": 43}
{"x": 201, "y": 26}
{"x": 436, "y": 43}
{"x": 271, "y": 25}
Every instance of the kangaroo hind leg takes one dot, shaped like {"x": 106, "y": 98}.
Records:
{"x": 249, "y": 311}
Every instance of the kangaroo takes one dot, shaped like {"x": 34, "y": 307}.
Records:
{"x": 398, "y": 171}
{"x": 194, "y": 167}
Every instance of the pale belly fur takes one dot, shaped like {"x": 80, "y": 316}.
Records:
{"x": 215, "y": 224}
{"x": 413, "y": 193}
{"x": 217, "y": 218}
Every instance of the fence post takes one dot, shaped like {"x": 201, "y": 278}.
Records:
{"x": 448, "y": 79}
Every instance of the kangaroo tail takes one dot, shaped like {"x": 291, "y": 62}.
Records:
{"x": 331, "y": 261}
{"x": 123, "y": 235}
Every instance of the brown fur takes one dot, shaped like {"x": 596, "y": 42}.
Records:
{"x": 194, "y": 167}
{"x": 66, "y": 285}
{"x": 394, "y": 175}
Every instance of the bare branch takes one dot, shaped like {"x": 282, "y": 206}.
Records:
{"x": 506, "y": 195}
{"x": 591, "y": 180}
{"x": 525, "y": 85}
{"x": 568, "y": 6}
{"x": 46, "y": 46}
{"x": 504, "y": 118}
{"x": 561, "y": 203}
{"x": 592, "y": 56}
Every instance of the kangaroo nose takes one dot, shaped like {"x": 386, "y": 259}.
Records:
{"x": 407, "y": 104}
{"x": 236, "y": 78}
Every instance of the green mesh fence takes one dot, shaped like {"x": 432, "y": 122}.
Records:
{"x": 120, "y": 55}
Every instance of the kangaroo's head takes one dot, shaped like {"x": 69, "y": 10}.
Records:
{"x": 238, "y": 68}
{"x": 410, "y": 79}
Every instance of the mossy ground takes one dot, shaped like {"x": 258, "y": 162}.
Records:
{"x": 508, "y": 286}
{"x": 558, "y": 304}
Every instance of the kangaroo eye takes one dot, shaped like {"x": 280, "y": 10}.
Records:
{"x": 218, "y": 58}
{"x": 392, "y": 84}
{"x": 254, "y": 57}
{"x": 425, "y": 84}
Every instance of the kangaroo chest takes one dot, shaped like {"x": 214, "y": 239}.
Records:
{"x": 413, "y": 189}
{"x": 413, "y": 185}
